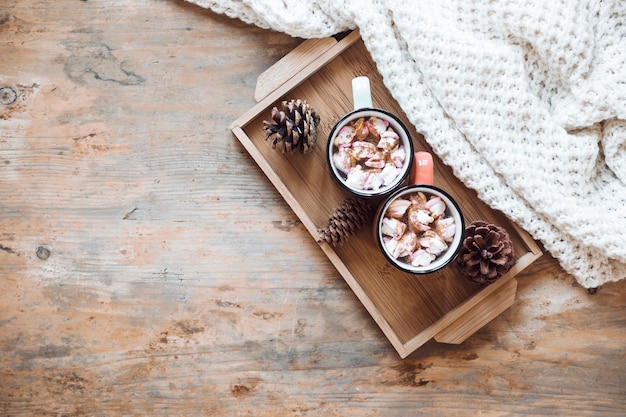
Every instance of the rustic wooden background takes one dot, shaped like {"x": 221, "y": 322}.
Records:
{"x": 147, "y": 267}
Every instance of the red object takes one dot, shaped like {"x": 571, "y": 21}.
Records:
{"x": 422, "y": 170}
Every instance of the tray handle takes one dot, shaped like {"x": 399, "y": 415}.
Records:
{"x": 289, "y": 65}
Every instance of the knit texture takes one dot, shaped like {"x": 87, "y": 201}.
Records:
{"x": 525, "y": 100}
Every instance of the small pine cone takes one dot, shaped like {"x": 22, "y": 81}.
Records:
{"x": 293, "y": 127}
{"x": 345, "y": 221}
{"x": 487, "y": 252}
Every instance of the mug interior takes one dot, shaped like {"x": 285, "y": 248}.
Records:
{"x": 396, "y": 125}
{"x": 452, "y": 209}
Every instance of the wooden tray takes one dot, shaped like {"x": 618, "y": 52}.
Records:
{"x": 409, "y": 309}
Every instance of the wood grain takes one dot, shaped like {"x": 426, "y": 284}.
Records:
{"x": 149, "y": 267}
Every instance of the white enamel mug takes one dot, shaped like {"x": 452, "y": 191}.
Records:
{"x": 369, "y": 150}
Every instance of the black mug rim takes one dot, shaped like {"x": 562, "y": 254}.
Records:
{"x": 381, "y": 212}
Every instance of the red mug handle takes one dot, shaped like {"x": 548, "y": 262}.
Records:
{"x": 422, "y": 170}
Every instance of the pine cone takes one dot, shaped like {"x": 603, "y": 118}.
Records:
{"x": 345, "y": 221}
{"x": 293, "y": 127}
{"x": 487, "y": 252}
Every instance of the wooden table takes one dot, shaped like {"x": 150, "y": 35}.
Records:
{"x": 148, "y": 267}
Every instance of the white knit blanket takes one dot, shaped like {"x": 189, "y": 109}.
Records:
{"x": 524, "y": 99}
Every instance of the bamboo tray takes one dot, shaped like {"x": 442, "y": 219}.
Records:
{"x": 410, "y": 310}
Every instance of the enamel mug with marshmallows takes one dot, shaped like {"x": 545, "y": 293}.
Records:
{"x": 419, "y": 228}
{"x": 369, "y": 150}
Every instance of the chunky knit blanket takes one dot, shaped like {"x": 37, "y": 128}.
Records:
{"x": 524, "y": 99}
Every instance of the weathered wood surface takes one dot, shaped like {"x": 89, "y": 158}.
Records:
{"x": 147, "y": 267}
